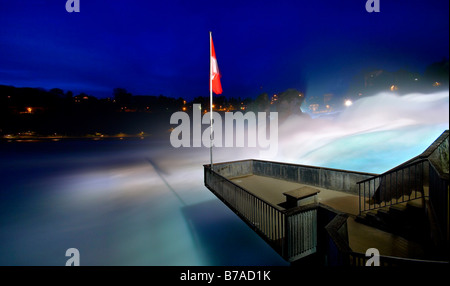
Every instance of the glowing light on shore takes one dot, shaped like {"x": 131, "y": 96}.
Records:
{"x": 348, "y": 102}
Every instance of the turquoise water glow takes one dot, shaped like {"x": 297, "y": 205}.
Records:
{"x": 374, "y": 135}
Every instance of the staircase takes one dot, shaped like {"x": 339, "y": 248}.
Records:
{"x": 412, "y": 200}
{"x": 407, "y": 220}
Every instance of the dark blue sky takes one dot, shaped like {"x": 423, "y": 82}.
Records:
{"x": 162, "y": 47}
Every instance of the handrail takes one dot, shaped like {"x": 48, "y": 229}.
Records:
{"x": 396, "y": 169}
{"x": 439, "y": 199}
{"x": 313, "y": 167}
{"x": 386, "y": 260}
{"x": 300, "y": 209}
{"x": 392, "y": 187}
{"x": 264, "y": 218}
{"x": 443, "y": 176}
{"x": 208, "y": 166}
{"x": 290, "y": 232}
{"x": 353, "y": 258}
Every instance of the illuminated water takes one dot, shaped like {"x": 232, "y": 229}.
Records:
{"x": 144, "y": 203}
{"x": 118, "y": 203}
{"x": 374, "y": 135}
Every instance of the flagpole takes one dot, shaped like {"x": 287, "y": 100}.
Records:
{"x": 210, "y": 100}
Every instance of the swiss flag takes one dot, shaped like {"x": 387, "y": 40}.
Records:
{"x": 215, "y": 73}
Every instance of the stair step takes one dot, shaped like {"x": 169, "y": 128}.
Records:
{"x": 398, "y": 209}
{"x": 362, "y": 218}
{"x": 372, "y": 219}
{"x": 417, "y": 204}
{"x": 372, "y": 216}
{"x": 402, "y": 219}
{"x": 384, "y": 213}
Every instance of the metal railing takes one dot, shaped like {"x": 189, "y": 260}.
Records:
{"x": 360, "y": 259}
{"x": 337, "y": 231}
{"x": 266, "y": 219}
{"x": 397, "y": 186}
{"x": 439, "y": 198}
{"x": 301, "y": 232}
{"x": 293, "y": 233}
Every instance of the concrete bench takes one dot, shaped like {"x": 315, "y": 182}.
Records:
{"x": 301, "y": 196}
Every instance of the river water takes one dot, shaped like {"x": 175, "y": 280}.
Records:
{"x": 143, "y": 202}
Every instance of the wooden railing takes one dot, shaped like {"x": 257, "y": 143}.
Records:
{"x": 416, "y": 180}
{"x": 397, "y": 186}
{"x": 266, "y": 219}
{"x": 301, "y": 232}
{"x": 439, "y": 198}
{"x": 344, "y": 255}
{"x": 293, "y": 233}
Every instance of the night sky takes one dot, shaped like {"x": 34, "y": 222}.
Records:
{"x": 162, "y": 47}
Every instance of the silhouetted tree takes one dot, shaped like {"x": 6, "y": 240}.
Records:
{"x": 260, "y": 104}
{"x": 289, "y": 103}
{"x": 57, "y": 91}
{"x": 69, "y": 95}
{"x": 437, "y": 72}
{"x": 121, "y": 96}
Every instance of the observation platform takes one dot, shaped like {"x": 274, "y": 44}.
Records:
{"x": 361, "y": 237}
{"x": 303, "y": 211}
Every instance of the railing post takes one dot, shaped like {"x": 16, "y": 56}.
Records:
{"x": 359, "y": 197}
{"x": 286, "y": 237}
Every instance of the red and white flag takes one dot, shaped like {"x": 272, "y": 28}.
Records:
{"x": 215, "y": 73}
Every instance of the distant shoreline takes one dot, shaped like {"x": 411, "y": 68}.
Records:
{"x": 68, "y": 138}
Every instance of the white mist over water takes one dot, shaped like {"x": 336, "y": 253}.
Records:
{"x": 145, "y": 203}
{"x": 374, "y": 134}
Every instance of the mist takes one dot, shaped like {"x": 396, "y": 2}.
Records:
{"x": 144, "y": 203}
{"x": 374, "y": 134}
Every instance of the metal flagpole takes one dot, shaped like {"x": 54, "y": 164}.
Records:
{"x": 210, "y": 100}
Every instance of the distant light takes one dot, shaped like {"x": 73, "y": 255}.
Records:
{"x": 314, "y": 107}
{"x": 29, "y": 109}
{"x": 184, "y": 108}
{"x": 394, "y": 87}
{"x": 348, "y": 102}
{"x": 436, "y": 83}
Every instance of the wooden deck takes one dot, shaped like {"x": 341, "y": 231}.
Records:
{"x": 271, "y": 190}
{"x": 361, "y": 237}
